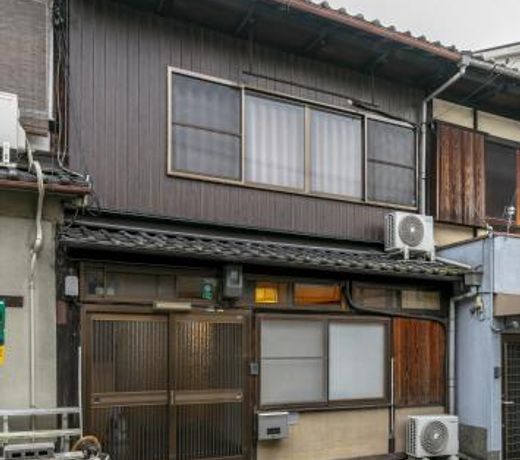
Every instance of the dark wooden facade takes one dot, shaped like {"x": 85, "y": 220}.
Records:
{"x": 118, "y": 119}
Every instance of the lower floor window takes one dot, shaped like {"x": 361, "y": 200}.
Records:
{"x": 322, "y": 361}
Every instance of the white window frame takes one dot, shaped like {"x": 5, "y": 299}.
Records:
{"x": 308, "y": 106}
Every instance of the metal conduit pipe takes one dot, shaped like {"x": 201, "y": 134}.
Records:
{"x": 463, "y": 65}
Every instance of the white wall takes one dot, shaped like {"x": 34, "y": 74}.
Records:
{"x": 491, "y": 124}
{"x": 17, "y": 230}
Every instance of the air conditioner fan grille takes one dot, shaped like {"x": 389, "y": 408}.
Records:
{"x": 434, "y": 437}
{"x": 411, "y": 231}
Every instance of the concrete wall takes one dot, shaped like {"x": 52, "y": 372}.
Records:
{"x": 448, "y": 234}
{"x": 330, "y": 436}
{"x": 17, "y": 231}
{"x": 478, "y": 352}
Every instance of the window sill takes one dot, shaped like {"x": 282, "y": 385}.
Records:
{"x": 330, "y": 408}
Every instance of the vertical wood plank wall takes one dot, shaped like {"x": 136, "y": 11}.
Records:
{"x": 461, "y": 196}
{"x": 118, "y": 106}
{"x": 419, "y": 362}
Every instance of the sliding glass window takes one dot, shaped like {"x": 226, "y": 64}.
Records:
{"x": 275, "y": 143}
{"x": 221, "y": 131}
{"x": 206, "y": 128}
{"x": 336, "y": 154}
{"x": 391, "y": 163}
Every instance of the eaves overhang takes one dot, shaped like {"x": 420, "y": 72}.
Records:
{"x": 244, "y": 250}
{"x": 318, "y": 31}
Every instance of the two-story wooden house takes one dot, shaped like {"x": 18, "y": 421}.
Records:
{"x": 243, "y": 155}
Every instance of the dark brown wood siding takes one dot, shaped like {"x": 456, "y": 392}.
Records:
{"x": 419, "y": 362}
{"x": 118, "y": 108}
{"x": 461, "y": 196}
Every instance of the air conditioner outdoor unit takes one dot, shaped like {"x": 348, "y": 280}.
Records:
{"x": 408, "y": 233}
{"x": 12, "y": 135}
{"x": 432, "y": 436}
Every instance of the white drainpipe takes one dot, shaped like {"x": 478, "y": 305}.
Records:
{"x": 35, "y": 251}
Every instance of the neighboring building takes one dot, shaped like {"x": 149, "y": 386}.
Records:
{"x": 508, "y": 55}
{"x": 478, "y": 156}
{"x": 243, "y": 155}
{"x": 28, "y": 352}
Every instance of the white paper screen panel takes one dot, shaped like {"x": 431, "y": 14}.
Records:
{"x": 356, "y": 361}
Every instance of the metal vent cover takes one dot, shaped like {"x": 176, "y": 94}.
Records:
{"x": 434, "y": 437}
{"x": 411, "y": 231}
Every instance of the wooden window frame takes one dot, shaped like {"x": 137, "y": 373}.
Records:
{"x": 308, "y": 105}
{"x": 291, "y": 306}
{"x": 144, "y": 270}
{"x": 328, "y": 404}
{"x": 440, "y": 312}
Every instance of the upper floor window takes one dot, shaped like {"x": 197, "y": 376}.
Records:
{"x": 222, "y": 131}
{"x": 205, "y": 128}
{"x": 501, "y": 172}
{"x": 477, "y": 176}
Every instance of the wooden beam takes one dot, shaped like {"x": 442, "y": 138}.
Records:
{"x": 247, "y": 19}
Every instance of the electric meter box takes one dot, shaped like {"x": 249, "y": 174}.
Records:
{"x": 273, "y": 425}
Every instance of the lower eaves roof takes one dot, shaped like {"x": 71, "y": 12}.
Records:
{"x": 251, "y": 251}
{"x": 55, "y": 180}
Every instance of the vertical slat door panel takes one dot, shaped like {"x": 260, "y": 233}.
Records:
{"x": 209, "y": 386}
{"x": 460, "y": 175}
{"x": 127, "y": 384}
{"x": 162, "y": 386}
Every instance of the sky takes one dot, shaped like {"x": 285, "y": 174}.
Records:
{"x": 467, "y": 24}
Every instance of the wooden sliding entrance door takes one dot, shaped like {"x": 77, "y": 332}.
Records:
{"x": 161, "y": 387}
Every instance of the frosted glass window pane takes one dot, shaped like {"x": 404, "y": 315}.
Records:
{"x": 391, "y": 184}
{"x": 391, "y": 143}
{"x": 206, "y": 152}
{"x": 274, "y": 142}
{"x": 205, "y": 104}
{"x": 291, "y": 381}
{"x": 356, "y": 361}
{"x": 336, "y": 152}
{"x": 292, "y": 339}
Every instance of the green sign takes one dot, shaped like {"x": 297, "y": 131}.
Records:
{"x": 207, "y": 290}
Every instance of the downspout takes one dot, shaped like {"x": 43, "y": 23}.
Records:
{"x": 463, "y": 65}
{"x": 35, "y": 251}
{"x": 473, "y": 292}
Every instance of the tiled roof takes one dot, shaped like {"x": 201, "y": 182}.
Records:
{"x": 53, "y": 178}
{"x": 419, "y": 40}
{"x": 252, "y": 251}
{"x": 342, "y": 12}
